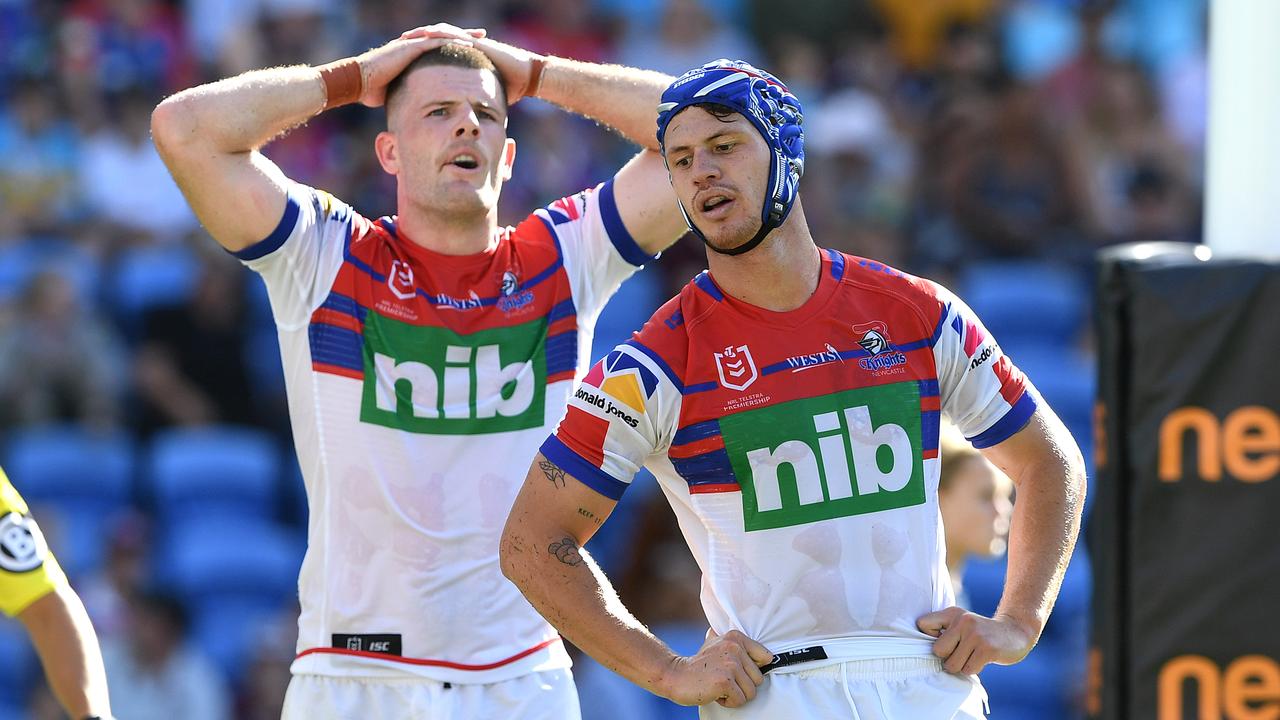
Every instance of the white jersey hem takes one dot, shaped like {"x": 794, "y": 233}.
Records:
{"x": 342, "y": 664}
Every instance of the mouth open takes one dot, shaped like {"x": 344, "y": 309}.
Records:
{"x": 715, "y": 206}
{"x": 466, "y": 161}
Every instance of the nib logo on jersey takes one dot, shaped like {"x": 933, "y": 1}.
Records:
{"x": 435, "y": 381}
{"x": 883, "y": 358}
{"x": 621, "y": 378}
{"x": 849, "y": 453}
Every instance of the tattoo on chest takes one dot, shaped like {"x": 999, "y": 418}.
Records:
{"x": 566, "y": 551}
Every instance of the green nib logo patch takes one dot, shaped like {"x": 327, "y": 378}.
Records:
{"x": 434, "y": 381}
{"x": 849, "y": 453}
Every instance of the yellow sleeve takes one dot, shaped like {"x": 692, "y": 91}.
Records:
{"x": 28, "y": 571}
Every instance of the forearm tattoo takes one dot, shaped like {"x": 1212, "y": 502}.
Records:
{"x": 553, "y": 472}
{"x": 566, "y": 551}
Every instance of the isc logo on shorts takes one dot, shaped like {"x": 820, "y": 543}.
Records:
{"x": 848, "y": 453}
{"x": 433, "y": 380}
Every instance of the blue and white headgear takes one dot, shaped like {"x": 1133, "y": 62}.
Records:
{"x": 763, "y": 100}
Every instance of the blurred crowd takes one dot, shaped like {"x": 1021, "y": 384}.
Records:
{"x": 942, "y": 137}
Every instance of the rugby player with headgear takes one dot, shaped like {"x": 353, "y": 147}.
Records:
{"x": 788, "y": 401}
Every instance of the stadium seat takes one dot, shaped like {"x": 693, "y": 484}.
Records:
{"x": 1026, "y": 302}
{"x": 19, "y": 664}
{"x": 230, "y": 631}
{"x": 225, "y": 468}
{"x": 626, "y": 311}
{"x": 144, "y": 278}
{"x": 219, "y": 556}
{"x": 76, "y": 481}
{"x": 18, "y": 263}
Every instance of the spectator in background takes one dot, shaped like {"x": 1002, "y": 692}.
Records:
{"x": 58, "y": 361}
{"x": 191, "y": 366}
{"x": 860, "y": 174}
{"x": 568, "y": 27}
{"x": 1119, "y": 134}
{"x": 108, "y": 593}
{"x": 1017, "y": 192}
{"x": 975, "y": 499}
{"x": 39, "y": 156}
{"x": 124, "y": 182}
{"x": 687, "y": 35}
{"x": 919, "y": 28}
{"x": 155, "y": 673}
{"x": 111, "y": 45}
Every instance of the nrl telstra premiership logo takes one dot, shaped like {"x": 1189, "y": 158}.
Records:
{"x": 736, "y": 367}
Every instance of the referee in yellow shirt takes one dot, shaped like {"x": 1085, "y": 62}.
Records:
{"x": 34, "y": 589}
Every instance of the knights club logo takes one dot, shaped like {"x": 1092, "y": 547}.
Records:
{"x": 400, "y": 280}
{"x": 736, "y": 367}
{"x": 882, "y": 356}
{"x": 873, "y": 337}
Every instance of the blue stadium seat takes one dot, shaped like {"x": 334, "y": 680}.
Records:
{"x": 230, "y": 631}
{"x": 18, "y": 263}
{"x": 67, "y": 462}
{"x": 18, "y": 664}
{"x": 1046, "y": 683}
{"x": 212, "y": 557}
{"x": 1026, "y": 302}
{"x": 144, "y": 278}
{"x": 626, "y": 311}
{"x": 222, "y": 468}
{"x": 76, "y": 482}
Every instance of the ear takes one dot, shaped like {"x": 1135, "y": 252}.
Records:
{"x": 384, "y": 146}
{"x": 508, "y": 159}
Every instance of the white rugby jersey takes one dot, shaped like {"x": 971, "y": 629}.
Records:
{"x": 420, "y": 386}
{"x": 799, "y": 450}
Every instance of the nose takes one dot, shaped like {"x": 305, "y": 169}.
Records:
{"x": 705, "y": 168}
{"x": 469, "y": 123}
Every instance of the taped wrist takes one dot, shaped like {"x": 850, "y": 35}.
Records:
{"x": 343, "y": 82}
{"x": 535, "y": 76}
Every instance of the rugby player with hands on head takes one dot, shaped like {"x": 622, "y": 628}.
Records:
{"x": 425, "y": 353}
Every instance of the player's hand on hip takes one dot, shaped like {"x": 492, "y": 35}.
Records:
{"x": 381, "y": 65}
{"x": 967, "y": 642}
{"x": 726, "y": 670}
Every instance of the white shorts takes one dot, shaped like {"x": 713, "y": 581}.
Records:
{"x": 546, "y": 695}
{"x": 885, "y": 689}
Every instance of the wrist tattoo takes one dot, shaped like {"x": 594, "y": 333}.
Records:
{"x": 566, "y": 551}
{"x": 553, "y": 472}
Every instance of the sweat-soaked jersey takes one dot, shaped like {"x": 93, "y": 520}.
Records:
{"x": 799, "y": 450}
{"x": 420, "y": 385}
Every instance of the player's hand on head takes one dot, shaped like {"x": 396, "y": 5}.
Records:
{"x": 382, "y": 64}
{"x": 725, "y": 670}
{"x": 513, "y": 63}
{"x": 967, "y": 642}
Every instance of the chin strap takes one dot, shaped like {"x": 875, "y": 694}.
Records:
{"x": 775, "y": 219}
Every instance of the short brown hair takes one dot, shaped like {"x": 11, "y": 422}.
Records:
{"x": 447, "y": 55}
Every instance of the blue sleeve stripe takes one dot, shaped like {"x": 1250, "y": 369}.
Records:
{"x": 618, "y": 235}
{"x": 662, "y": 364}
{"x": 937, "y": 332}
{"x": 1012, "y": 422}
{"x": 704, "y": 282}
{"x": 837, "y": 264}
{"x": 272, "y": 242}
{"x": 581, "y": 469}
{"x": 696, "y": 431}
